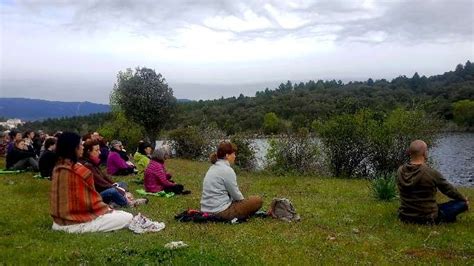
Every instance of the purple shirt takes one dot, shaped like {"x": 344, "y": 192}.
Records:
{"x": 156, "y": 177}
{"x": 115, "y": 163}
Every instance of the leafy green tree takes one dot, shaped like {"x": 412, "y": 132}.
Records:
{"x": 271, "y": 123}
{"x": 145, "y": 98}
{"x": 463, "y": 112}
{"x": 120, "y": 128}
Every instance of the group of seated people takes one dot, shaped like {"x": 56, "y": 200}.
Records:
{"x": 83, "y": 195}
{"x": 80, "y": 190}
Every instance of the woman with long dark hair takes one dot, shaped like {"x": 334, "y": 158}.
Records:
{"x": 220, "y": 193}
{"x": 76, "y": 207}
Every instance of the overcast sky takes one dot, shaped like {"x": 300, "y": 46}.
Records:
{"x": 73, "y": 50}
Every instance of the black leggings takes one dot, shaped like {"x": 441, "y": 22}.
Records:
{"x": 127, "y": 171}
{"x": 176, "y": 189}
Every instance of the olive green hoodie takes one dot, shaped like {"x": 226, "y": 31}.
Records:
{"x": 417, "y": 184}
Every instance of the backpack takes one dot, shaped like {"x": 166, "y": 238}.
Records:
{"x": 282, "y": 208}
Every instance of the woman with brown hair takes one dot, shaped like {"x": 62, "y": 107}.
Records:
{"x": 220, "y": 194}
{"x": 111, "y": 192}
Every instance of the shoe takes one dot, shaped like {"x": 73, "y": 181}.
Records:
{"x": 137, "y": 202}
{"x": 186, "y": 192}
{"x": 141, "y": 224}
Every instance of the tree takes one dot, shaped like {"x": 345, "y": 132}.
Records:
{"x": 463, "y": 112}
{"x": 271, "y": 123}
{"x": 145, "y": 98}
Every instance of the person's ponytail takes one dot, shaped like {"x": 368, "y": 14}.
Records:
{"x": 213, "y": 157}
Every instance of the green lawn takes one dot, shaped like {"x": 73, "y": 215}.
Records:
{"x": 341, "y": 224}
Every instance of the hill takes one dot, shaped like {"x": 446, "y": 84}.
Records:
{"x": 33, "y": 109}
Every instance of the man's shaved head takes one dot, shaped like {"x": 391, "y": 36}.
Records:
{"x": 417, "y": 148}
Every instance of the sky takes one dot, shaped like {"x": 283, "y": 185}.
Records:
{"x": 72, "y": 50}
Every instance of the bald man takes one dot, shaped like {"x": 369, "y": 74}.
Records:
{"x": 418, "y": 184}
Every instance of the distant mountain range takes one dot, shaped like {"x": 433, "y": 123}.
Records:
{"x": 34, "y": 109}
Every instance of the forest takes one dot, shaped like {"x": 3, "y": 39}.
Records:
{"x": 292, "y": 106}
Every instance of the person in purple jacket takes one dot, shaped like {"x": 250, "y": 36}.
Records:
{"x": 156, "y": 178}
{"x": 115, "y": 164}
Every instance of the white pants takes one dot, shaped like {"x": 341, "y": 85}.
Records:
{"x": 112, "y": 221}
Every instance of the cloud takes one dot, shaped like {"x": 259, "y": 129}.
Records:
{"x": 340, "y": 21}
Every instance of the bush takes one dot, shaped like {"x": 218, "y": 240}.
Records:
{"x": 345, "y": 143}
{"x": 195, "y": 143}
{"x": 463, "y": 112}
{"x": 294, "y": 153}
{"x": 245, "y": 152}
{"x": 370, "y": 144}
{"x": 384, "y": 187}
{"x": 390, "y": 138}
{"x": 122, "y": 129}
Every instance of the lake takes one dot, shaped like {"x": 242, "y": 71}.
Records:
{"x": 452, "y": 155}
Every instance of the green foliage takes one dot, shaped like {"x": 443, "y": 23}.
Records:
{"x": 245, "y": 152}
{"x": 463, "y": 112}
{"x": 294, "y": 153}
{"x": 187, "y": 142}
{"x": 145, "y": 98}
{"x": 390, "y": 138}
{"x": 384, "y": 187}
{"x": 122, "y": 129}
{"x": 271, "y": 123}
{"x": 345, "y": 143}
{"x": 195, "y": 143}
{"x": 368, "y": 143}
{"x": 299, "y": 104}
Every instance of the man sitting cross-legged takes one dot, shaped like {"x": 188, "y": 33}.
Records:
{"x": 418, "y": 184}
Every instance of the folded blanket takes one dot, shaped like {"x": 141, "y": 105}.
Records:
{"x": 141, "y": 191}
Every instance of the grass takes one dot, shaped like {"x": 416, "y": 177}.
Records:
{"x": 341, "y": 224}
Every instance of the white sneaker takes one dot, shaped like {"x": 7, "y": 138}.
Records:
{"x": 141, "y": 224}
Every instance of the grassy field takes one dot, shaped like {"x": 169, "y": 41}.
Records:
{"x": 341, "y": 224}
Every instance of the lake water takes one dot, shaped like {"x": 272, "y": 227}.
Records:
{"x": 453, "y": 156}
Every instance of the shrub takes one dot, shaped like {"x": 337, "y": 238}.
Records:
{"x": 345, "y": 143}
{"x": 390, "y": 138}
{"x": 370, "y": 144}
{"x": 186, "y": 142}
{"x": 122, "y": 129}
{"x": 245, "y": 152}
{"x": 294, "y": 153}
{"x": 463, "y": 112}
{"x": 195, "y": 143}
{"x": 384, "y": 187}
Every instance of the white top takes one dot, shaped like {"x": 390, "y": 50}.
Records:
{"x": 219, "y": 188}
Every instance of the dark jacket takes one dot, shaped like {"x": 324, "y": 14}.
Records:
{"x": 101, "y": 180}
{"x": 46, "y": 163}
{"x": 418, "y": 184}
{"x": 16, "y": 155}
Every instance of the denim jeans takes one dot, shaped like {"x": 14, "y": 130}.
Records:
{"x": 448, "y": 211}
{"x": 113, "y": 195}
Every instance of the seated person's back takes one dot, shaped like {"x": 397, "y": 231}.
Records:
{"x": 48, "y": 158}
{"x": 418, "y": 184}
